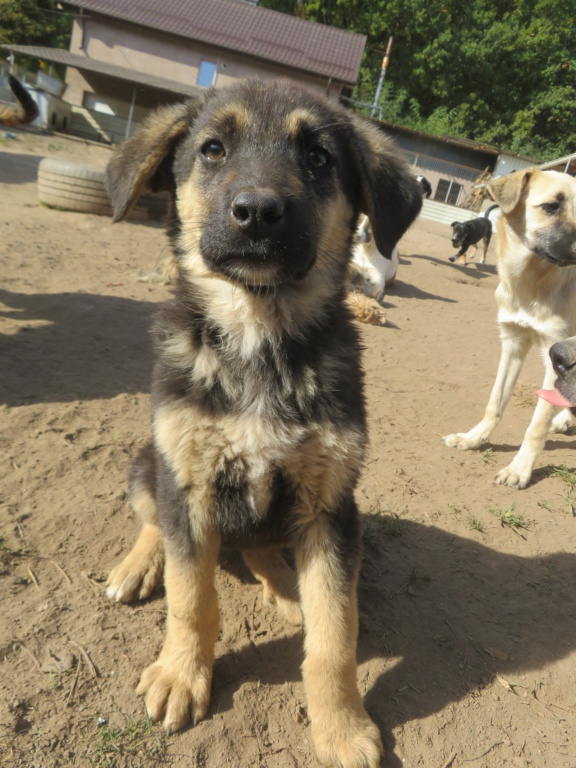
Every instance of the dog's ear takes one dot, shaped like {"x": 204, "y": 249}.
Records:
{"x": 454, "y": 223}
{"x": 391, "y": 196}
{"x": 507, "y": 190}
{"x": 138, "y": 163}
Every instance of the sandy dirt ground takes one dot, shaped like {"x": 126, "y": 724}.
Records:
{"x": 467, "y": 646}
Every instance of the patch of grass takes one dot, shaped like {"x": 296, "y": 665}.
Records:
{"x": 488, "y": 456}
{"x": 476, "y": 524}
{"x": 111, "y": 745}
{"x": 568, "y": 477}
{"x": 544, "y": 505}
{"x": 383, "y": 522}
{"x": 416, "y": 576}
{"x": 508, "y": 517}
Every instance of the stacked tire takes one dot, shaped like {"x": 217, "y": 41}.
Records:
{"x": 71, "y": 186}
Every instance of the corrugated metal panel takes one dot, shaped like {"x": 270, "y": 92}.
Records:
{"x": 246, "y": 29}
{"x": 444, "y": 214}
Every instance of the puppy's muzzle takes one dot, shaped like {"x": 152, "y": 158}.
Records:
{"x": 563, "y": 357}
{"x": 258, "y": 213}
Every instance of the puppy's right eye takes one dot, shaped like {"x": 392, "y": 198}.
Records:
{"x": 551, "y": 208}
{"x": 213, "y": 150}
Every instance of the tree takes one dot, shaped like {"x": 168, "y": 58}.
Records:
{"x": 494, "y": 71}
{"x": 34, "y": 22}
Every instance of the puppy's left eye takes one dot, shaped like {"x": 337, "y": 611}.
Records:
{"x": 318, "y": 157}
{"x": 550, "y": 208}
{"x": 213, "y": 150}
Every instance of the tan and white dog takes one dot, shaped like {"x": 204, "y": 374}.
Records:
{"x": 536, "y": 301}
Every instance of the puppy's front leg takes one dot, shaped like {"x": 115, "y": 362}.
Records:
{"x": 178, "y": 684}
{"x": 518, "y": 473}
{"x": 515, "y": 345}
{"x": 327, "y": 562}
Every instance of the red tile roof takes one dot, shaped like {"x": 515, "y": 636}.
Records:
{"x": 244, "y": 28}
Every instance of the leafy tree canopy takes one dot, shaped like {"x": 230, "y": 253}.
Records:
{"x": 34, "y": 22}
{"x": 496, "y": 71}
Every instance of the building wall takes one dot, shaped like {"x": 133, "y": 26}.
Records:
{"x": 157, "y": 53}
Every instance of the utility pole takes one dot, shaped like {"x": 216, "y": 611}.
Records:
{"x": 382, "y": 76}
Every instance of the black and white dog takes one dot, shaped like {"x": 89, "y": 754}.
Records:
{"x": 469, "y": 233}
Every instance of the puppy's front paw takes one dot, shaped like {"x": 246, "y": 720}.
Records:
{"x": 513, "y": 478}
{"x": 138, "y": 575}
{"x": 176, "y": 687}
{"x": 347, "y": 740}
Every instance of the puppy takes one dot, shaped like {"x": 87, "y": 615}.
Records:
{"x": 24, "y": 112}
{"x": 258, "y": 417}
{"x": 563, "y": 358}
{"x": 369, "y": 275}
{"x": 466, "y": 234}
{"x": 536, "y": 301}
{"x": 424, "y": 185}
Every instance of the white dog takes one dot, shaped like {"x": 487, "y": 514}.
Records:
{"x": 536, "y": 302}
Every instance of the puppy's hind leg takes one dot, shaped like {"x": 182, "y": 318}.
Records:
{"x": 515, "y": 345}
{"x": 278, "y": 579}
{"x": 138, "y": 575}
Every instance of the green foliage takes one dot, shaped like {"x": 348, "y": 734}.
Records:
{"x": 34, "y": 22}
{"x": 497, "y": 72}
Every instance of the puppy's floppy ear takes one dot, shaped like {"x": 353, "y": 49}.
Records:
{"x": 391, "y": 196}
{"x": 137, "y": 163}
{"x": 507, "y": 190}
{"x": 454, "y": 223}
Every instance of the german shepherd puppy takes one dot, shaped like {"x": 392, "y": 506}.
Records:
{"x": 258, "y": 417}
{"x": 24, "y": 112}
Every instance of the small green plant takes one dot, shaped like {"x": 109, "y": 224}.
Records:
{"x": 508, "y": 517}
{"x": 488, "y": 456}
{"x": 476, "y": 524}
{"x": 568, "y": 477}
{"x": 111, "y": 745}
{"x": 416, "y": 576}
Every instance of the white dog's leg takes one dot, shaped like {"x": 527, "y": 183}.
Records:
{"x": 518, "y": 473}
{"x": 515, "y": 346}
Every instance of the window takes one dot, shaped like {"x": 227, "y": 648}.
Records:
{"x": 206, "y": 74}
{"x": 448, "y": 191}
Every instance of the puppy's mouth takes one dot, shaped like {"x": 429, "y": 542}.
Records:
{"x": 558, "y": 261}
{"x": 258, "y": 269}
{"x": 456, "y": 243}
{"x": 555, "y": 397}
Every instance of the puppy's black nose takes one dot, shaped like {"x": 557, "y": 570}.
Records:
{"x": 563, "y": 356}
{"x": 257, "y": 212}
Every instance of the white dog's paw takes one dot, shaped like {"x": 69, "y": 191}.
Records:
{"x": 513, "y": 478}
{"x": 464, "y": 441}
{"x": 562, "y": 422}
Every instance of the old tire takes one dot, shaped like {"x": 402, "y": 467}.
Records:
{"x": 74, "y": 187}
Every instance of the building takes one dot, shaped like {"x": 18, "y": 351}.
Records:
{"x": 126, "y": 58}
{"x": 454, "y": 166}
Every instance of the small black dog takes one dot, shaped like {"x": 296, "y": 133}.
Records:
{"x": 469, "y": 233}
